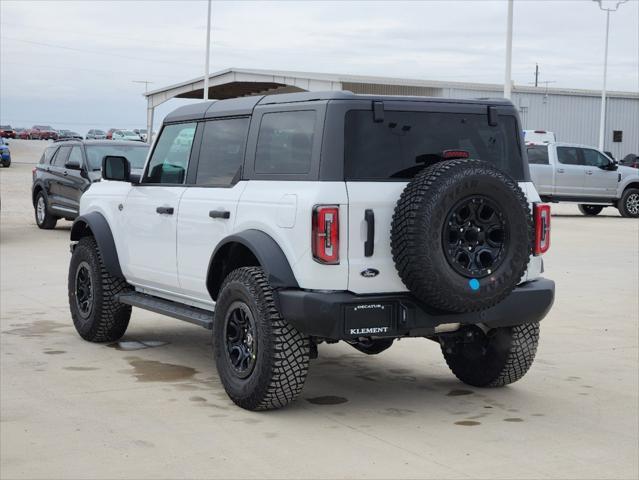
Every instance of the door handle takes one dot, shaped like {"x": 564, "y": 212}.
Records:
{"x": 588, "y": 172}
{"x": 164, "y": 210}
{"x": 369, "y": 244}
{"x": 220, "y": 214}
{"x": 560, "y": 170}
{"x": 65, "y": 173}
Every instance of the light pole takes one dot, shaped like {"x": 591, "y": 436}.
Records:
{"x": 602, "y": 116}
{"x": 509, "y": 51}
{"x": 208, "y": 53}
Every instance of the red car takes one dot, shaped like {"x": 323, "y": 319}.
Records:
{"x": 42, "y": 132}
{"x": 7, "y": 132}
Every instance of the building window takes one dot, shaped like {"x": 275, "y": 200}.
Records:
{"x": 617, "y": 135}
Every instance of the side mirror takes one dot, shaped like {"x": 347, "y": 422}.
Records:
{"x": 612, "y": 166}
{"x": 116, "y": 168}
{"x": 72, "y": 165}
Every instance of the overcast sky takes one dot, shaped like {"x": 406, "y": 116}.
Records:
{"x": 71, "y": 64}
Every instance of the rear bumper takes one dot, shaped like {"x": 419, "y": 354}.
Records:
{"x": 345, "y": 315}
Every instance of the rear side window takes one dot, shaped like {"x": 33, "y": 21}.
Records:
{"x": 285, "y": 142}
{"x": 222, "y": 151}
{"x": 61, "y": 156}
{"x": 568, "y": 155}
{"x": 406, "y": 142}
{"x": 48, "y": 155}
{"x": 171, "y": 154}
{"x": 537, "y": 154}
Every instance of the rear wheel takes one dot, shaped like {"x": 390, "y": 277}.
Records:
{"x": 493, "y": 359}
{"x": 261, "y": 359}
{"x": 44, "y": 219}
{"x": 590, "y": 210}
{"x": 629, "y": 203}
{"x": 97, "y": 315}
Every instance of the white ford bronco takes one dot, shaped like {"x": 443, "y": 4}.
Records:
{"x": 283, "y": 221}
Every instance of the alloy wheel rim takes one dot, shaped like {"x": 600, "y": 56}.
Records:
{"x": 632, "y": 204}
{"x": 474, "y": 236}
{"x": 40, "y": 210}
{"x": 240, "y": 338}
{"x": 84, "y": 289}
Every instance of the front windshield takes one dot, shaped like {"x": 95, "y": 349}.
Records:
{"x": 128, "y": 133}
{"x": 135, "y": 154}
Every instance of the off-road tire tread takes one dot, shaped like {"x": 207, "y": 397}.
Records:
{"x": 404, "y": 232}
{"x": 112, "y": 317}
{"x": 291, "y": 350}
{"x": 520, "y": 356}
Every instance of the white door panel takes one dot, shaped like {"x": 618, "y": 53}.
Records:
{"x": 380, "y": 197}
{"x": 150, "y": 236}
{"x": 283, "y": 210}
{"x": 198, "y": 233}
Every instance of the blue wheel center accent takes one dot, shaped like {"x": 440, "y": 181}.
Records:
{"x": 473, "y": 283}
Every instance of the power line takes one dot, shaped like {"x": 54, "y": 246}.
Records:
{"x": 100, "y": 52}
{"x": 99, "y": 35}
{"x": 64, "y": 67}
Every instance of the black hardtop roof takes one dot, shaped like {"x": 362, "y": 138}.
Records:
{"x": 245, "y": 105}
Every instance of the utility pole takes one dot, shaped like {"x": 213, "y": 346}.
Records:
{"x": 536, "y": 74}
{"x": 509, "y": 52}
{"x": 208, "y": 53}
{"x": 145, "y": 82}
{"x": 602, "y": 116}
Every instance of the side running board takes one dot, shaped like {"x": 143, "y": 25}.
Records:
{"x": 197, "y": 316}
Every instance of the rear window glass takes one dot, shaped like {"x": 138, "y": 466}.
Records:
{"x": 136, "y": 155}
{"x": 406, "y": 142}
{"x": 285, "y": 142}
{"x": 48, "y": 154}
{"x": 537, "y": 154}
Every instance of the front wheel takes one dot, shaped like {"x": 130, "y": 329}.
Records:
{"x": 629, "y": 203}
{"x": 590, "y": 210}
{"x": 261, "y": 359}
{"x": 97, "y": 315}
{"x": 493, "y": 359}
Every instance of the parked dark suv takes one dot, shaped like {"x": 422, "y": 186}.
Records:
{"x": 67, "y": 169}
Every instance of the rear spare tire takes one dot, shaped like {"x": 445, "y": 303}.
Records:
{"x": 461, "y": 235}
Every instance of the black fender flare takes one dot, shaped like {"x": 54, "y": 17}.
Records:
{"x": 96, "y": 225}
{"x": 267, "y": 252}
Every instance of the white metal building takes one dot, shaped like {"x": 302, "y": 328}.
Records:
{"x": 573, "y": 114}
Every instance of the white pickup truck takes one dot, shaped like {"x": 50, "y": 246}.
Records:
{"x": 564, "y": 172}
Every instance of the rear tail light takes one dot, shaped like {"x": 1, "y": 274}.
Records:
{"x": 326, "y": 234}
{"x": 455, "y": 154}
{"x": 541, "y": 213}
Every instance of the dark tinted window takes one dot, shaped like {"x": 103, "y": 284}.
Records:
{"x": 222, "y": 151}
{"x": 285, "y": 142}
{"x": 136, "y": 155}
{"x": 592, "y": 158}
{"x": 568, "y": 155}
{"x": 171, "y": 154}
{"x": 538, "y": 154}
{"x": 48, "y": 154}
{"x": 406, "y": 142}
{"x": 76, "y": 155}
{"x": 61, "y": 156}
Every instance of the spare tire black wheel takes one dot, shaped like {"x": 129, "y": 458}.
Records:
{"x": 461, "y": 235}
